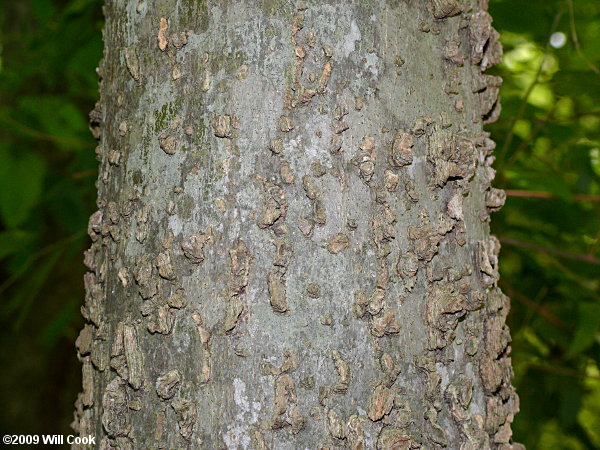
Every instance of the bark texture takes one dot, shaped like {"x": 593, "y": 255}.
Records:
{"x": 292, "y": 246}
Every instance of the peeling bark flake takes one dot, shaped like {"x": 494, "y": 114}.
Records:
{"x": 168, "y": 384}
{"x": 337, "y": 243}
{"x": 163, "y": 41}
{"x": 193, "y": 246}
{"x": 277, "y": 294}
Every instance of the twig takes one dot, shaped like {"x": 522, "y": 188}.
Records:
{"x": 523, "y": 145}
{"x": 594, "y": 244}
{"x": 576, "y": 41}
{"x": 560, "y": 370}
{"x": 44, "y": 136}
{"x": 539, "y": 194}
{"x": 577, "y": 116}
{"x": 40, "y": 253}
{"x": 586, "y": 258}
{"x": 531, "y": 304}
{"x": 84, "y": 174}
{"x": 523, "y": 105}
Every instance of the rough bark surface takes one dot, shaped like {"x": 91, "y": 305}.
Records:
{"x": 292, "y": 246}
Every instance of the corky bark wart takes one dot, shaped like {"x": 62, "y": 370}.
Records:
{"x": 292, "y": 246}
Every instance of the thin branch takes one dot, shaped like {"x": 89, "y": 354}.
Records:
{"x": 44, "y": 136}
{"x": 84, "y": 174}
{"x": 539, "y": 194}
{"x": 523, "y": 105}
{"x": 594, "y": 244}
{"x": 586, "y": 258}
{"x": 531, "y": 304}
{"x": 568, "y": 119}
{"x": 524, "y": 144}
{"x": 560, "y": 370}
{"x": 39, "y": 254}
{"x": 576, "y": 40}
{"x": 577, "y": 116}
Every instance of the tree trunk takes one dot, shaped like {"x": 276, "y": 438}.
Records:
{"x": 292, "y": 246}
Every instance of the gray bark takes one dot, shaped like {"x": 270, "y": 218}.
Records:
{"x": 292, "y": 246}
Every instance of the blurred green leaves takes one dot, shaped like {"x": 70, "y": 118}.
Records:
{"x": 548, "y": 161}
{"x": 49, "y": 50}
{"x": 21, "y": 180}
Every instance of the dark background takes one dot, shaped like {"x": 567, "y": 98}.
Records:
{"x": 548, "y": 160}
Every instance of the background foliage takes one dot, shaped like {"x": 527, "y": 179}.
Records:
{"x": 548, "y": 160}
{"x": 48, "y": 84}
